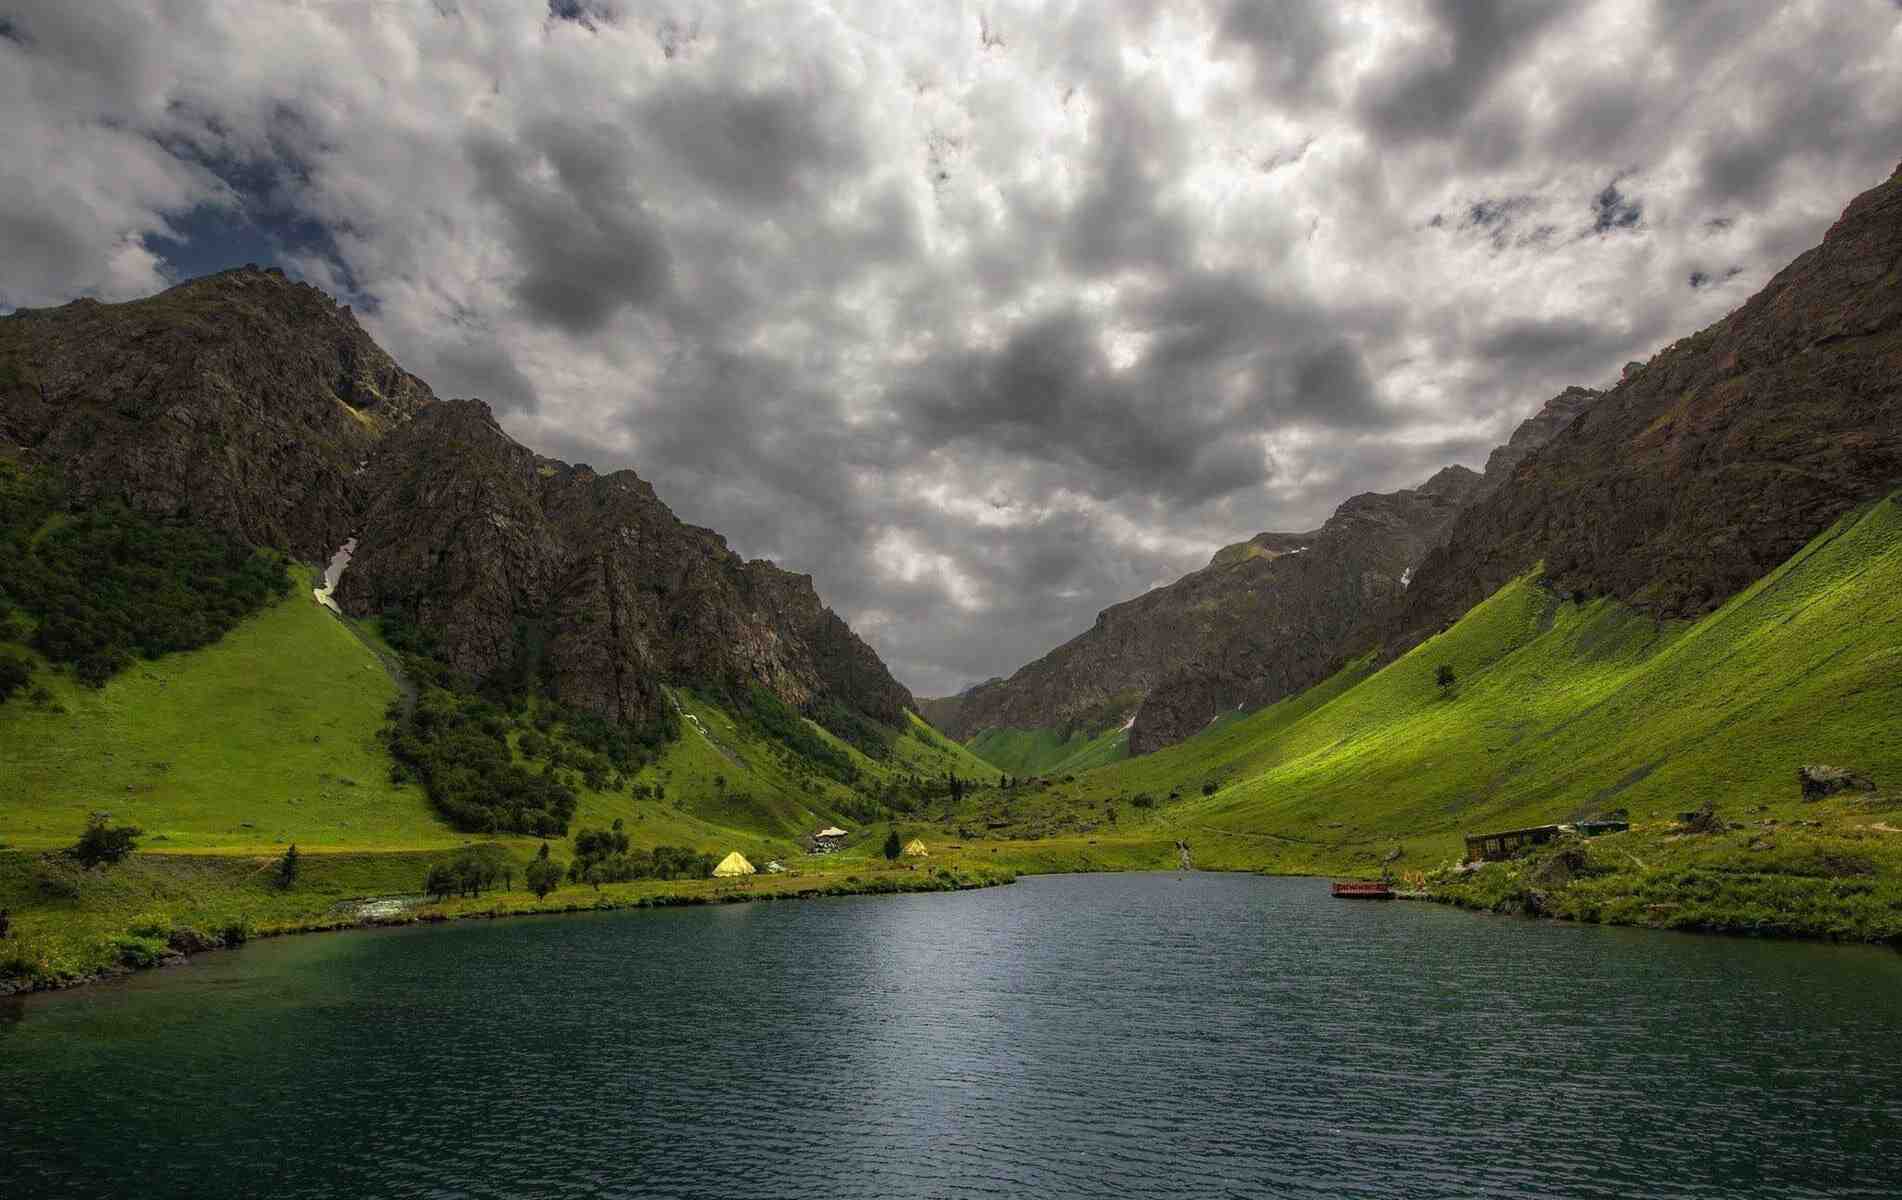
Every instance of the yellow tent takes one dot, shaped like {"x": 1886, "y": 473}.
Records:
{"x": 916, "y": 849}
{"x": 733, "y": 864}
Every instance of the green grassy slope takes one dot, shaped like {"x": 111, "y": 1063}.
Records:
{"x": 1563, "y": 710}
{"x": 267, "y": 735}
{"x": 1047, "y": 751}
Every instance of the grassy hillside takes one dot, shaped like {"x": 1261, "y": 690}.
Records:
{"x": 1047, "y": 751}
{"x": 1560, "y": 710}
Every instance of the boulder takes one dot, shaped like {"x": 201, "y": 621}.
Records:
{"x": 1818, "y": 781}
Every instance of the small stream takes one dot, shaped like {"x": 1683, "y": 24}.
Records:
{"x": 332, "y": 573}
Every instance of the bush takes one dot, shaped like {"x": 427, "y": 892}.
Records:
{"x": 287, "y": 868}
{"x": 104, "y": 843}
{"x": 135, "y": 950}
{"x": 15, "y": 673}
{"x": 238, "y": 932}
{"x": 893, "y": 847}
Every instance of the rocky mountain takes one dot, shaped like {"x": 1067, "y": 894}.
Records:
{"x": 242, "y": 399}
{"x": 520, "y": 562}
{"x": 259, "y": 406}
{"x": 1714, "y": 461}
{"x": 1265, "y": 618}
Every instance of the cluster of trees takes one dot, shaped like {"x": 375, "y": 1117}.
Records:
{"x": 603, "y": 856}
{"x": 465, "y": 875}
{"x": 862, "y": 733}
{"x": 774, "y": 718}
{"x": 97, "y": 586}
{"x": 458, "y": 747}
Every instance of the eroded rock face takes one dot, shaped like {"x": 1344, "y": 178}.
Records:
{"x": 242, "y": 399}
{"x": 1715, "y": 461}
{"x": 520, "y": 562}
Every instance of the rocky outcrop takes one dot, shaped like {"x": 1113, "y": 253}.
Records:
{"x": 1818, "y": 781}
{"x": 241, "y": 399}
{"x": 1717, "y": 459}
{"x": 1535, "y": 431}
{"x": 589, "y": 582}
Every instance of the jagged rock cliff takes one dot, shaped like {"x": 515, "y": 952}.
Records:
{"x": 259, "y": 406}
{"x": 1265, "y": 618}
{"x": 588, "y": 580}
{"x": 1716, "y": 460}
{"x": 242, "y": 399}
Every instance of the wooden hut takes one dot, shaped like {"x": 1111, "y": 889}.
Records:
{"x": 1491, "y": 847}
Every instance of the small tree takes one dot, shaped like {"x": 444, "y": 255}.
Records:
{"x": 287, "y": 868}
{"x": 1444, "y": 677}
{"x": 893, "y": 847}
{"x": 6, "y": 924}
{"x": 543, "y": 876}
{"x": 440, "y": 881}
{"x": 103, "y": 842}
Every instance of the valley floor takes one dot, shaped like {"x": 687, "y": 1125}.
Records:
{"x": 1561, "y": 711}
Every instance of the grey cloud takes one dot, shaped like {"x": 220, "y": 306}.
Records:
{"x": 1288, "y": 44}
{"x": 588, "y": 246}
{"x": 1437, "y": 86}
{"x": 755, "y": 149}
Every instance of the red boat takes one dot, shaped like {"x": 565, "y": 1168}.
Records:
{"x": 1361, "y": 889}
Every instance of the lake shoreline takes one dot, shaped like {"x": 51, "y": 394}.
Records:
{"x": 185, "y": 942}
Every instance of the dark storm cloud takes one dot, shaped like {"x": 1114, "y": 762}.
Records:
{"x": 1432, "y": 90}
{"x": 757, "y": 150}
{"x": 1288, "y": 44}
{"x": 987, "y": 321}
{"x": 587, "y": 243}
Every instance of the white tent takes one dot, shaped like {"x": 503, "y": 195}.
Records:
{"x": 830, "y": 831}
{"x": 733, "y": 864}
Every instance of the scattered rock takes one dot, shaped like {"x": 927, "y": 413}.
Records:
{"x": 1818, "y": 781}
{"x": 1704, "y": 820}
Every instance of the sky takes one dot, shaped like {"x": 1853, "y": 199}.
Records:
{"x": 985, "y": 315}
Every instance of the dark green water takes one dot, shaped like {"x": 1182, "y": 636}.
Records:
{"x": 1111, "y": 1035}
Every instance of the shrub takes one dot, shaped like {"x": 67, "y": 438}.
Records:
{"x": 15, "y": 673}
{"x": 238, "y": 932}
{"x": 104, "y": 843}
{"x": 136, "y": 951}
{"x": 287, "y": 868}
{"x": 893, "y": 847}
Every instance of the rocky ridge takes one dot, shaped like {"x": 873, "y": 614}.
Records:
{"x": 589, "y": 581}
{"x": 241, "y": 399}
{"x": 259, "y": 406}
{"x": 1713, "y": 462}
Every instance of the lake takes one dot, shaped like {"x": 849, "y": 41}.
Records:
{"x": 1191, "y": 1035}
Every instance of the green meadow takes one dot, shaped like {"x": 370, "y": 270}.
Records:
{"x": 1558, "y": 710}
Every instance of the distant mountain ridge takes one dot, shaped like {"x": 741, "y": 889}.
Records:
{"x": 1265, "y": 618}
{"x": 259, "y": 406}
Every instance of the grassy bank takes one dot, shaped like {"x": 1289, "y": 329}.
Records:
{"x": 71, "y": 926}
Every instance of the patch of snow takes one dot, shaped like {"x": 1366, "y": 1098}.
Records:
{"x": 1406, "y": 577}
{"x": 332, "y": 574}
{"x": 1129, "y": 724}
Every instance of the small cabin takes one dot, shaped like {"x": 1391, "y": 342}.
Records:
{"x": 1491, "y": 847}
